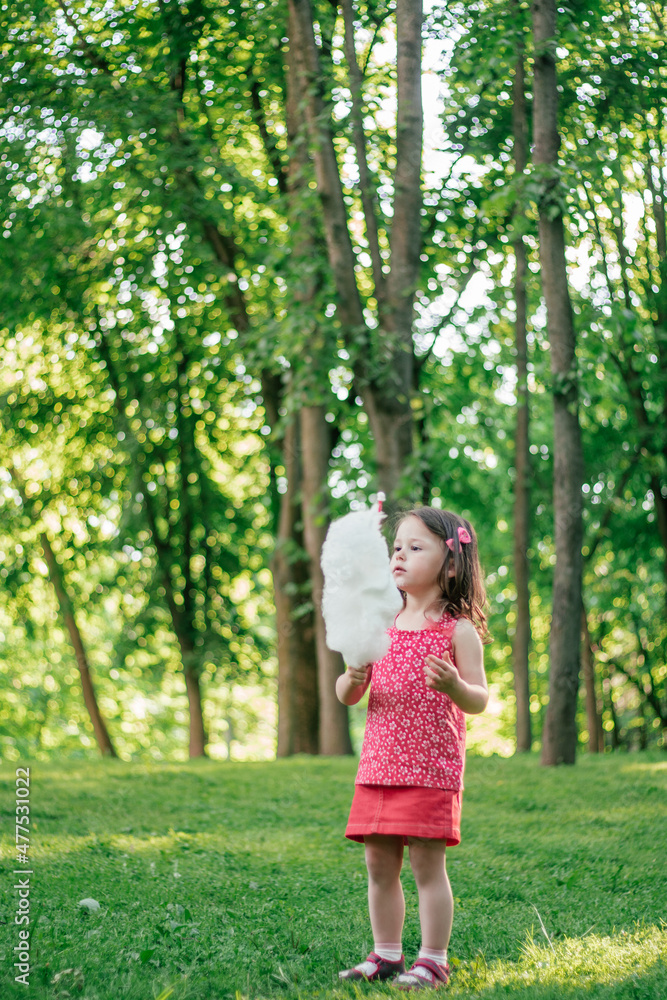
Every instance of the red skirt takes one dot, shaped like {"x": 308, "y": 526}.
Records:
{"x": 397, "y": 810}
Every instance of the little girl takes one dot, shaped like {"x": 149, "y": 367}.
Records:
{"x": 410, "y": 777}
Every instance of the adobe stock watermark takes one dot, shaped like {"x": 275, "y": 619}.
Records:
{"x": 22, "y": 877}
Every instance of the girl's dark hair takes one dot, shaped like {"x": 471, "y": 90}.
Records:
{"x": 462, "y": 594}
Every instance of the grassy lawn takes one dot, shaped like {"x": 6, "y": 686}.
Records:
{"x": 220, "y": 880}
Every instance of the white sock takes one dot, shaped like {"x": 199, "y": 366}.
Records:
{"x": 436, "y": 956}
{"x": 368, "y": 968}
{"x": 390, "y": 952}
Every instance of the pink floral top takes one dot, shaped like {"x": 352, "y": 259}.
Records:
{"x": 414, "y": 735}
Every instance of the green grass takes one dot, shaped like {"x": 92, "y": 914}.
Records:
{"x": 222, "y": 880}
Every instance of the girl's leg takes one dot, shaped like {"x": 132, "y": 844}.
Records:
{"x": 384, "y": 859}
{"x": 436, "y": 903}
{"x": 386, "y": 905}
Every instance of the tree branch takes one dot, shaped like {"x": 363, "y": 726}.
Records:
{"x": 268, "y": 141}
{"x": 422, "y": 359}
{"x": 366, "y": 189}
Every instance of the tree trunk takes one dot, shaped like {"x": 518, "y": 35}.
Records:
{"x": 197, "y": 732}
{"x": 311, "y": 464}
{"x": 366, "y": 189}
{"x": 298, "y": 719}
{"x": 521, "y": 646}
{"x": 316, "y": 446}
{"x": 386, "y": 397}
{"x": 406, "y": 238}
{"x": 391, "y": 424}
{"x": 67, "y": 611}
{"x": 342, "y": 260}
{"x": 658, "y": 202}
{"x": 608, "y": 689}
{"x": 595, "y": 731}
{"x": 388, "y": 402}
{"x": 559, "y": 742}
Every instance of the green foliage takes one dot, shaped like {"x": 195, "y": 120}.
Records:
{"x": 160, "y": 277}
{"x": 226, "y": 880}
{"x": 124, "y": 401}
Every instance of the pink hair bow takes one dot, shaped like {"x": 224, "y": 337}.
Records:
{"x": 464, "y": 536}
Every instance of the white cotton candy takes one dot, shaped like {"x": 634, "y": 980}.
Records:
{"x": 360, "y": 599}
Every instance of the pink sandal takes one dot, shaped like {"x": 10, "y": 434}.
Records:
{"x": 374, "y": 969}
{"x": 411, "y": 980}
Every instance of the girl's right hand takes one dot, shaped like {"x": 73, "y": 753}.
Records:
{"x": 351, "y": 686}
{"x": 358, "y": 675}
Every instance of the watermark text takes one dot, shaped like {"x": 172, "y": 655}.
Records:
{"x": 22, "y": 876}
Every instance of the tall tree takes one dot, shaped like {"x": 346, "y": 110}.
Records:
{"x": 310, "y": 716}
{"x": 522, "y": 506}
{"x": 382, "y": 353}
{"x": 559, "y": 741}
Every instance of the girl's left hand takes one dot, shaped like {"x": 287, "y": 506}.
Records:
{"x": 441, "y": 674}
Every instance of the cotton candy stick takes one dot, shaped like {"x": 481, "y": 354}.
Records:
{"x": 360, "y": 599}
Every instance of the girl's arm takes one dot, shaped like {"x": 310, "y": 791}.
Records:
{"x": 351, "y": 686}
{"x": 465, "y": 682}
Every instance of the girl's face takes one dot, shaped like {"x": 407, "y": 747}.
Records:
{"x": 417, "y": 558}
